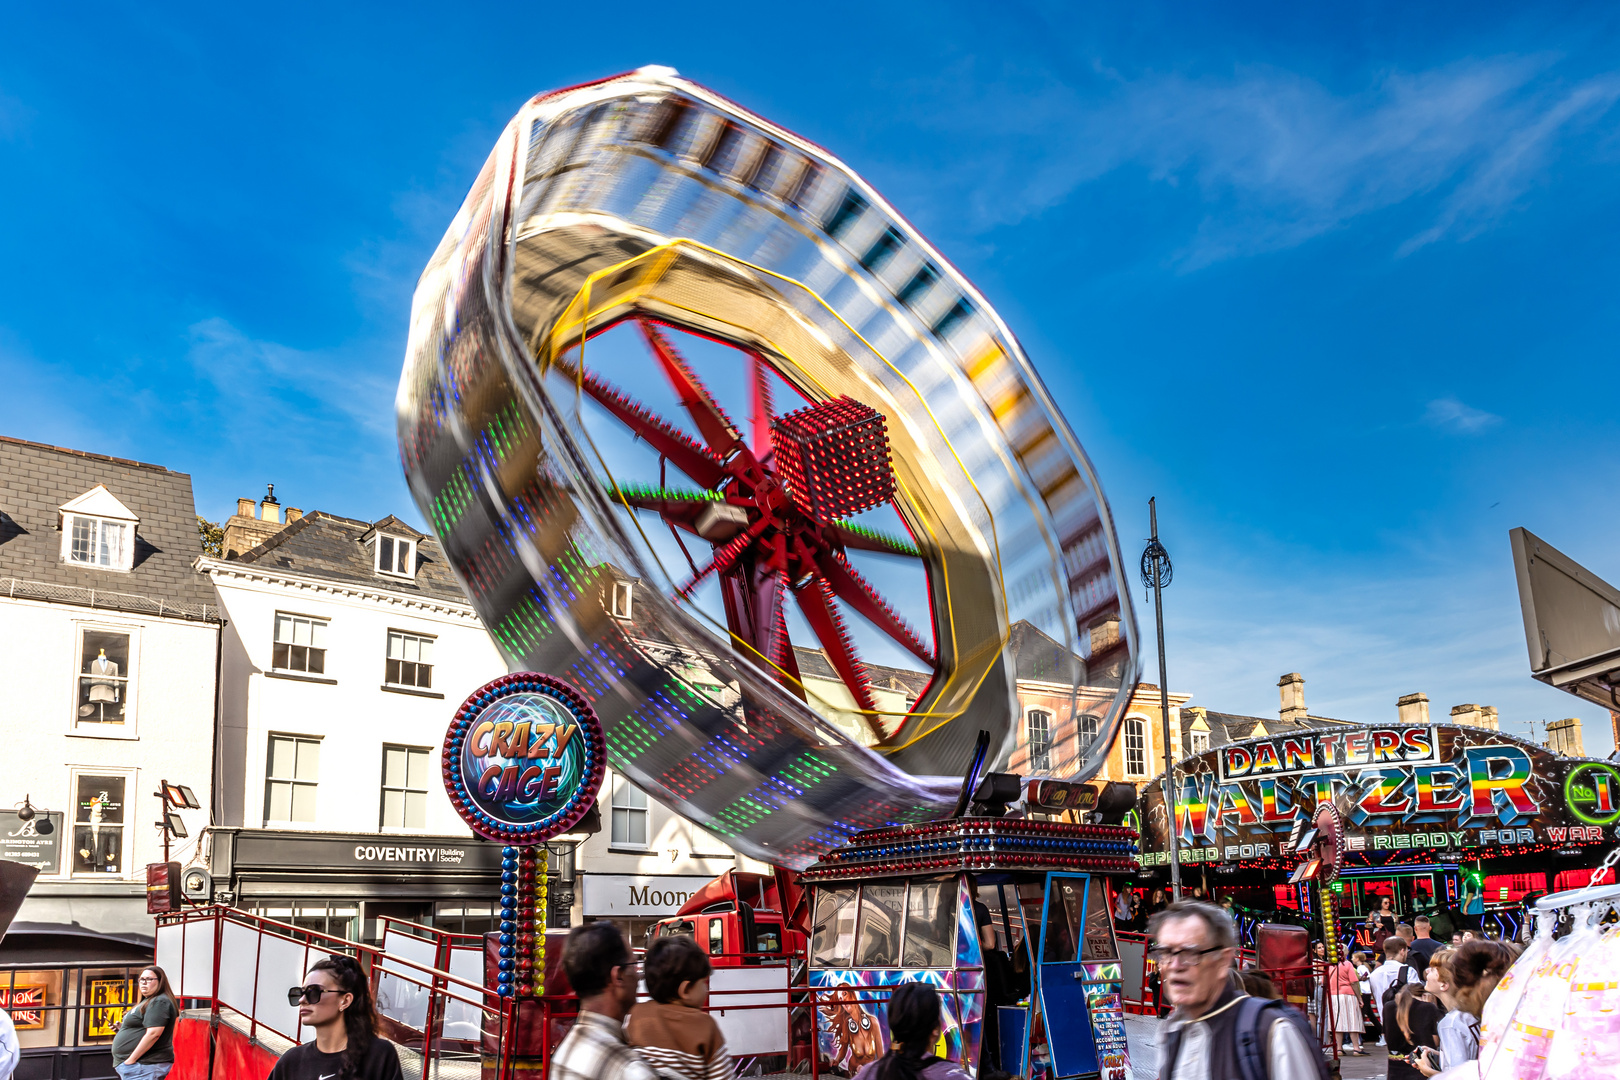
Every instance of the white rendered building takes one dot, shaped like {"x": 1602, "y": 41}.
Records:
{"x": 348, "y": 646}
{"x": 109, "y": 641}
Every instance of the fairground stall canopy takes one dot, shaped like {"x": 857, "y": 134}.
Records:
{"x": 1425, "y": 804}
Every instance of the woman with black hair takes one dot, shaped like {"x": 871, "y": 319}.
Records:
{"x": 336, "y": 1001}
{"x": 914, "y": 1027}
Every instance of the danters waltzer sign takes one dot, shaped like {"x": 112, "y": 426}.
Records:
{"x": 1417, "y": 786}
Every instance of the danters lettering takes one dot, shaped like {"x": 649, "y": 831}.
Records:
{"x": 1326, "y": 750}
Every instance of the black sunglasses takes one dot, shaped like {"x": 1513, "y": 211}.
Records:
{"x": 311, "y": 993}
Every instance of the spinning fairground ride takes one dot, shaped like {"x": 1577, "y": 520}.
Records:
{"x": 712, "y": 434}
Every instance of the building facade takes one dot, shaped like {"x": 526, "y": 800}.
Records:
{"x": 109, "y": 642}
{"x": 348, "y": 645}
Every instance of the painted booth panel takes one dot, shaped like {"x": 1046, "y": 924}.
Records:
{"x": 931, "y": 923}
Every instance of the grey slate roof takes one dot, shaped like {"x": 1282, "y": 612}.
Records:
{"x": 36, "y": 479}
{"x": 1230, "y": 727}
{"x": 322, "y": 545}
{"x": 813, "y": 664}
{"x": 1042, "y": 658}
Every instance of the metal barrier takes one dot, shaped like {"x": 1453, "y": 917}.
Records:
{"x": 240, "y": 967}
{"x": 431, "y": 995}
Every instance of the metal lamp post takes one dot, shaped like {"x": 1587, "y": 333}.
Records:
{"x": 1156, "y": 574}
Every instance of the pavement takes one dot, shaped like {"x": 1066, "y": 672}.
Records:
{"x": 1141, "y": 1032}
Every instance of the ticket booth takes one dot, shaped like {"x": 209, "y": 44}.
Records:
{"x": 898, "y": 905}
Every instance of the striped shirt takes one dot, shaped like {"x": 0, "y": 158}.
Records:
{"x": 679, "y": 1042}
{"x": 594, "y": 1049}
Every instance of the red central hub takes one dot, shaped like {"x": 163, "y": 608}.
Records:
{"x": 775, "y": 510}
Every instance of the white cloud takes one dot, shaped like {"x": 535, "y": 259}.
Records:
{"x": 264, "y": 380}
{"x": 1449, "y": 414}
{"x": 1278, "y": 158}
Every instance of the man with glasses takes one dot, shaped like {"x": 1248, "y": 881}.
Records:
{"x": 1217, "y": 1032}
{"x": 603, "y": 974}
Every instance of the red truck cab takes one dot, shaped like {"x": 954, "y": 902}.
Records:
{"x": 741, "y": 918}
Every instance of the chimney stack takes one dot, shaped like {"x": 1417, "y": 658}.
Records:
{"x": 1413, "y": 708}
{"x": 1564, "y": 737}
{"x": 1488, "y": 718}
{"x": 1464, "y": 714}
{"x": 246, "y": 530}
{"x": 1291, "y": 688}
{"x": 270, "y": 509}
{"x": 293, "y": 514}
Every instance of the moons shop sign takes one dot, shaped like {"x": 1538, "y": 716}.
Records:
{"x": 1416, "y": 786}
{"x": 523, "y": 758}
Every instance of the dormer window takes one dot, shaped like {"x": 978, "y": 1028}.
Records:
{"x": 97, "y": 542}
{"x": 98, "y": 531}
{"x": 396, "y": 555}
{"x": 620, "y": 603}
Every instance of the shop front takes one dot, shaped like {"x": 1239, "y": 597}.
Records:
{"x": 1443, "y": 819}
{"x": 344, "y": 884}
{"x": 636, "y": 901}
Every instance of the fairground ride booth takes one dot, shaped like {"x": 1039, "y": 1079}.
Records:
{"x": 1437, "y": 813}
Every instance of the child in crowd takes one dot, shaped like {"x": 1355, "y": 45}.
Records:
{"x": 674, "y": 1035}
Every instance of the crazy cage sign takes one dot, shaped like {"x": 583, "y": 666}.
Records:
{"x": 523, "y": 759}
{"x": 1412, "y": 786}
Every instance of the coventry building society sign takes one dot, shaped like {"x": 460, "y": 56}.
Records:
{"x": 1422, "y": 786}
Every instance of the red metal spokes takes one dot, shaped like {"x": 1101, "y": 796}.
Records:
{"x": 766, "y": 540}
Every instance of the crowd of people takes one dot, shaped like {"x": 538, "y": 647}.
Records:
{"x": 1423, "y": 1001}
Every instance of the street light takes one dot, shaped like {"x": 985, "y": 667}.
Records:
{"x": 1156, "y": 574}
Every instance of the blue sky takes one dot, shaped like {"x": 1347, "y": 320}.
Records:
{"x": 1338, "y": 288}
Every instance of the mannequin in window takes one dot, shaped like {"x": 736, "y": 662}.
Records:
{"x": 103, "y": 690}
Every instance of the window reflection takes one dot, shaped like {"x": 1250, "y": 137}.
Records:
{"x": 832, "y": 935}
{"x": 881, "y": 905}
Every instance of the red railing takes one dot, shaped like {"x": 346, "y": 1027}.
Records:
{"x": 212, "y": 949}
{"x": 236, "y": 962}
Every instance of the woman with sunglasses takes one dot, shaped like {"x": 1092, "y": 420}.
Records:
{"x": 336, "y": 1001}
{"x": 143, "y": 1048}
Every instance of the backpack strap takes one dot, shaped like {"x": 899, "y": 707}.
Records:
{"x": 1249, "y": 1036}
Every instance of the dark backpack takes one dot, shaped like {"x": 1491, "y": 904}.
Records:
{"x": 1253, "y": 1021}
{"x": 1386, "y": 1004}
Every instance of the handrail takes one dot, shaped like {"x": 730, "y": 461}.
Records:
{"x": 497, "y": 1017}
{"x": 440, "y": 985}
{"x": 433, "y": 930}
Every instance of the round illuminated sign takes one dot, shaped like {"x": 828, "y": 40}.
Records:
{"x": 523, "y": 758}
{"x": 1592, "y": 793}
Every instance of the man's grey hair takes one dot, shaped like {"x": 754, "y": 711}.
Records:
{"x": 1222, "y": 934}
